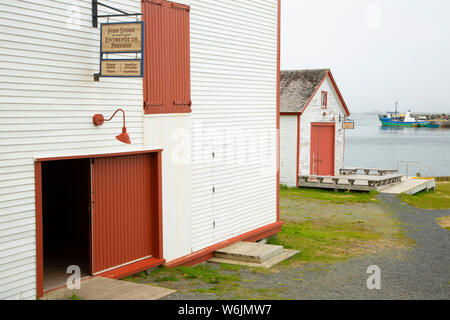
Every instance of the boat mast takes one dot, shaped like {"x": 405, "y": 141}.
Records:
{"x": 396, "y": 108}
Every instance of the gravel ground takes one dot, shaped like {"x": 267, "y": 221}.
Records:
{"x": 420, "y": 272}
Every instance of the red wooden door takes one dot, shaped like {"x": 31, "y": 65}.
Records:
{"x": 322, "y": 149}
{"x": 121, "y": 211}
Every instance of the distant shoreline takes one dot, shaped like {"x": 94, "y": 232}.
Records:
{"x": 383, "y": 112}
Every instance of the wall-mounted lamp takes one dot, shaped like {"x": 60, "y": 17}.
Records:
{"x": 99, "y": 119}
{"x": 331, "y": 113}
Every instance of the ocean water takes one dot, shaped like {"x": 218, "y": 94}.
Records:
{"x": 373, "y": 146}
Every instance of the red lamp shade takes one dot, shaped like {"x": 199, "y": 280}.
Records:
{"x": 99, "y": 119}
{"x": 124, "y": 137}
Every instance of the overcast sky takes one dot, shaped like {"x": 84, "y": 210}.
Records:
{"x": 379, "y": 51}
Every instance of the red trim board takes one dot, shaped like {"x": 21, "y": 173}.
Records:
{"x": 333, "y": 82}
{"x": 39, "y": 234}
{"x": 132, "y": 268}
{"x": 290, "y": 113}
{"x": 205, "y": 254}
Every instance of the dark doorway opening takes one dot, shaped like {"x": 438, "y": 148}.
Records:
{"x": 66, "y": 202}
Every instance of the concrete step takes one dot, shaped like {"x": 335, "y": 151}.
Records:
{"x": 251, "y": 252}
{"x": 284, "y": 255}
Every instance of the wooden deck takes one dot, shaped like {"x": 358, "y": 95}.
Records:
{"x": 367, "y": 171}
{"x": 348, "y": 181}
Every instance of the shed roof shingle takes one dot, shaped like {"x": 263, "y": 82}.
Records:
{"x": 297, "y": 87}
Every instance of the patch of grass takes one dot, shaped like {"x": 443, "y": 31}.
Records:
{"x": 440, "y": 199}
{"x": 207, "y": 274}
{"x": 230, "y": 267}
{"x": 221, "y": 280}
{"x": 327, "y": 195}
{"x": 136, "y": 277}
{"x": 214, "y": 290}
{"x": 202, "y": 272}
{"x": 169, "y": 278}
{"x": 444, "y": 222}
{"x": 74, "y": 297}
{"x": 323, "y": 241}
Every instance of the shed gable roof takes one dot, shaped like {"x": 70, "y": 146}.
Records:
{"x": 299, "y": 86}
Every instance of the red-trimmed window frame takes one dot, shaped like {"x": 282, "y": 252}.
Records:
{"x": 324, "y": 100}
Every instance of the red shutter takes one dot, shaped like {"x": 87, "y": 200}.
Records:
{"x": 167, "y": 78}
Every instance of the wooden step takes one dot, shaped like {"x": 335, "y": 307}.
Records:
{"x": 284, "y": 255}
{"x": 251, "y": 252}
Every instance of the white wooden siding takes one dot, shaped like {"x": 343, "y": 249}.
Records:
{"x": 288, "y": 150}
{"x": 47, "y": 100}
{"x": 314, "y": 113}
{"x": 234, "y": 74}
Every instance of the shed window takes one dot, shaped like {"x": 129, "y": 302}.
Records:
{"x": 324, "y": 99}
{"x": 167, "y": 78}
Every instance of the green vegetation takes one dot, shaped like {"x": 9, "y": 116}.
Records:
{"x": 444, "y": 222}
{"x": 202, "y": 272}
{"x": 440, "y": 199}
{"x": 230, "y": 267}
{"x": 327, "y": 195}
{"x": 324, "y": 240}
{"x": 220, "y": 280}
{"x": 207, "y": 274}
{"x": 74, "y": 297}
{"x": 327, "y": 226}
{"x": 166, "y": 278}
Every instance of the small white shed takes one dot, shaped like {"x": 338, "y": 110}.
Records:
{"x": 311, "y": 125}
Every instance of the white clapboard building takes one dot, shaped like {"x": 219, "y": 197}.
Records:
{"x": 312, "y": 115}
{"x": 201, "y": 171}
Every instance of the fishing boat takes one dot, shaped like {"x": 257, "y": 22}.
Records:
{"x": 432, "y": 124}
{"x": 392, "y": 119}
{"x": 400, "y": 120}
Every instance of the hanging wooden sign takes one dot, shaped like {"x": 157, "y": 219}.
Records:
{"x": 348, "y": 125}
{"x": 121, "y": 68}
{"x": 122, "y": 37}
{"x": 119, "y": 39}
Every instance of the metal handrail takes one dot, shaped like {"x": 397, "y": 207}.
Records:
{"x": 418, "y": 164}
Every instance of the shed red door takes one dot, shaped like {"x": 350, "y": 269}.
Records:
{"x": 122, "y": 211}
{"x": 322, "y": 149}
